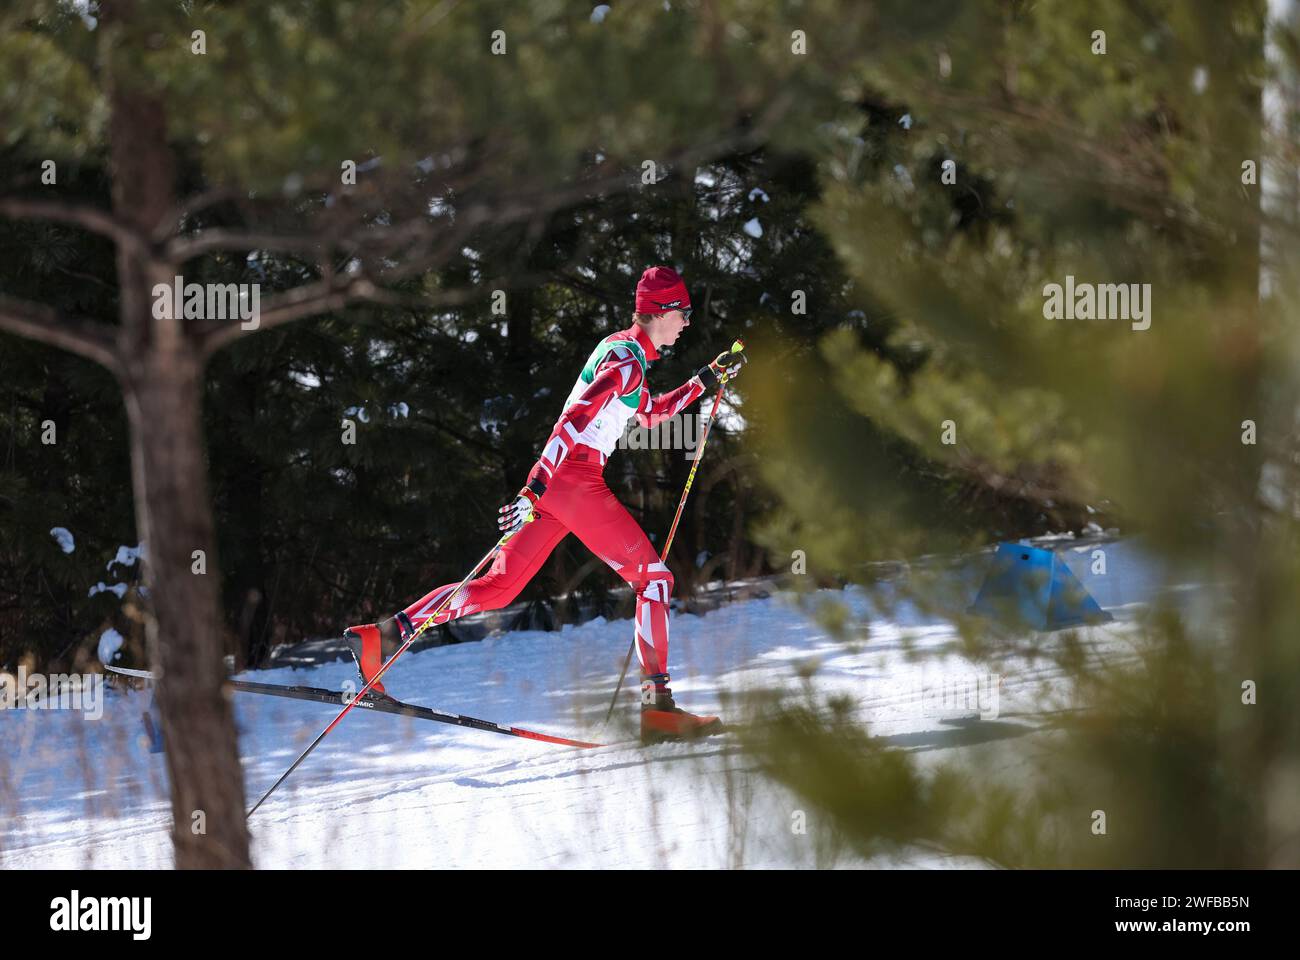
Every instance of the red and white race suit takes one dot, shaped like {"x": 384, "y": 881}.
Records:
{"x": 611, "y": 389}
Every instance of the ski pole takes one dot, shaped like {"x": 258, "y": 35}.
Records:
{"x": 736, "y": 347}
{"x": 383, "y": 669}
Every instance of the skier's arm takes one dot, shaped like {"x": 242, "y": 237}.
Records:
{"x": 721, "y": 370}
{"x": 614, "y": 379}
{"x": 670, "y": 404}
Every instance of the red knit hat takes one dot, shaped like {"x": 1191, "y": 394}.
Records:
{"x": 660, "y": 289}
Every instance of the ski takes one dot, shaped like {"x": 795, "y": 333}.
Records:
{"x": 378, "y": 704}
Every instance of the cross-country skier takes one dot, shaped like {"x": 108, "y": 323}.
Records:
{"x": 566, "y": 493}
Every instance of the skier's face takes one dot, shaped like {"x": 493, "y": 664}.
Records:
{"x": 675, "y": 321}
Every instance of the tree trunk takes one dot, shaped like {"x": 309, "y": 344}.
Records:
{"x": 163, "y": 391}
{"x": 161, "y": 372}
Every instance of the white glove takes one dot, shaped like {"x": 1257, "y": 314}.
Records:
{"x": 724, "y": 368}
{"x": 521, "y": 510}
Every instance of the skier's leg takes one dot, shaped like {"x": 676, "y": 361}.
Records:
{"x": 595, "y": 516}
{"x": 588, "y": 508}
{"x": 512, "y": 568}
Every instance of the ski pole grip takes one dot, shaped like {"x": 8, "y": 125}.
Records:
{"x": 737, "y": 346}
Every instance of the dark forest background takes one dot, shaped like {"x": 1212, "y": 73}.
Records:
{"x": 315, "y": 534}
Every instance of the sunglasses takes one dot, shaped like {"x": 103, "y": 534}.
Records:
{"x": 685, "y": 311}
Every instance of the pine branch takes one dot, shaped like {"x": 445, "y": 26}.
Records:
{"x": 46, "y": 325}
{"x": 324, "y": 296}
{"x": 88, "y": 218}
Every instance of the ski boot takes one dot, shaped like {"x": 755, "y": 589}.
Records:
{"x": 662, "y": 719}
{"x": 372, "y": 644}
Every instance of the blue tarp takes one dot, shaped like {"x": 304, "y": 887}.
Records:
{"x": 1030, "y": 587}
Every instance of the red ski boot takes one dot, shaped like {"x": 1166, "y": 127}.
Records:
{"x": 662, "y": 719}
{"x": 371, "y": 645}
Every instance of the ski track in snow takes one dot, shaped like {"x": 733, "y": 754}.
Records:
{"x": 390, "y": 791}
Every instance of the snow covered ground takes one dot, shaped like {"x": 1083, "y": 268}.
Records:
{"x": 388, "y": 791}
